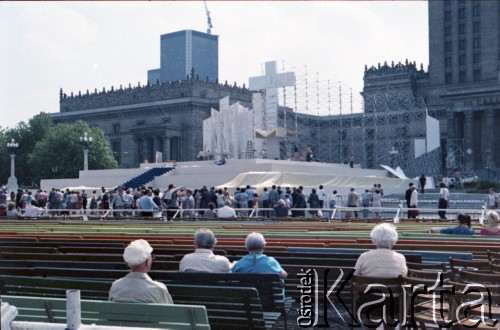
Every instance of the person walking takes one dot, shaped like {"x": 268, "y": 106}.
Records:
{"x": 365, "y": 202}
{"x": 414, "y": 202}
{"x": 422, "y": 181}
{"x": 444, "y": 200}
{"x": 408, "y": 197}
{"x": 352, "y": 201}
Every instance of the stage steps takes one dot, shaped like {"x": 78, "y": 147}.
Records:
{"x": 146, "y": 177}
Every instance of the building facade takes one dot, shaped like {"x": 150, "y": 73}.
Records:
{"x": 141, "y": 121}
{"x": 464, "y": 81}
{"x": 462, "y": 85}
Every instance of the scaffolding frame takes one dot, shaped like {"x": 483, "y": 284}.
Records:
{"x": 380, "y": 129}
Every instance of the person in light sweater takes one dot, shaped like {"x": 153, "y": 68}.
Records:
{"x": 382, "y": 261}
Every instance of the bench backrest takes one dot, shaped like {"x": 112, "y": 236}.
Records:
{"x": 225, "y": 306}
{"x": 44, "y": 309}
{"x": 269, "y": 286}
{"x": 53, "y": 287}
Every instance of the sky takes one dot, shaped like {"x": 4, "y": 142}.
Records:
{"x": 46, "y": 46}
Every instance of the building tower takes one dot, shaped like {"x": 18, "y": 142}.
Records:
{"x": 464, "y": 81}
{"x": 182, "y": 52}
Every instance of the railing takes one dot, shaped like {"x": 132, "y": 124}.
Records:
{"x": 394, "y": 214}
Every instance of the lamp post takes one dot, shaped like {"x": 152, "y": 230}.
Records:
{"x": 86, "y": 141}
{"x": 393, "y": 152}
{"x": 12, "y": 182}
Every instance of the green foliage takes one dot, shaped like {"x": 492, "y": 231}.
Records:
{"x": 61, "y": 148}
{"x": 43, "y": 146}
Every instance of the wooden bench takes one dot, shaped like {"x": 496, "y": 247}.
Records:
{"x": 67, "y": 264}
{"x": 53, "y": 310}
{"x": 227, "y": 307}
{"x": 53, "y": 287}
{"x": 269, "y": 286}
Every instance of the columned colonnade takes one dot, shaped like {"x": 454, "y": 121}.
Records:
{"x": 147, "y": 146}
{"x": 476, "y": 132}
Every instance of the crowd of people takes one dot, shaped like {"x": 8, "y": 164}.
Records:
{"x": 208, "y": 203}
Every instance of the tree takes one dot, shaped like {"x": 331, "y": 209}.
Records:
{"x": 61, "y": 148}
{"x": 43, "y": 146}
{"x": 28, "y": 135}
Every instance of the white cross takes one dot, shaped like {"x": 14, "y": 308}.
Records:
{"x": 271, "y": 81}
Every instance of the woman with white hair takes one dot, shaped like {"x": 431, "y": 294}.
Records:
{"x": 382, "y": 262}
{"x": 256, "y": 261}
{"x": 492, "y": 228}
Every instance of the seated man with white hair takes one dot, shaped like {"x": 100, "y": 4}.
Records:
{"x": 256, "y": 261}
{"x": 137, "y": 286}
{"x": 203, "y": 259}
{"x": 227, "y": 211}
{"x": 382, "y": 262}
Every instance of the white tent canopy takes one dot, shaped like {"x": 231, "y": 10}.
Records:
{"x": 341, "y": 183}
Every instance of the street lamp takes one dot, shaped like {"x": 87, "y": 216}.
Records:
{"x": 86, "y": 141}
{"x": 393, "y": 152}
{"x": 12, "y": 182}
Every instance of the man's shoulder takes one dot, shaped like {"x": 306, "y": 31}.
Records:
{"x": 160, "y": 285}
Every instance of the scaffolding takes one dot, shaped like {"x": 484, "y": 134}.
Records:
{"x": 382, "y": 129}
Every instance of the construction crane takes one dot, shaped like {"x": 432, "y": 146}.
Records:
{"x": 209, "y": 21}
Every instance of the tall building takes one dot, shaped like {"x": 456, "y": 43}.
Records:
{"x": 464, "y": 79}
{"x": 182, "y": 52}
{"x": 462, "y": 85}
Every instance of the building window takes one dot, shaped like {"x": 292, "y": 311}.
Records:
{"x": 461, "y": 28}
{"x": 447, "y": 46}
{"x": 461, "y": 76}
{"x": 447, "y": 3}
{"x": 116, "y": 146}
{"x": 116, "y": 128}
{"x": 476, "y": 58}
{"x": 476, "y": 11}
{"x": 447, "y": 31}
{"x": 476, "y": 26}
{"x": 461, "y": 44}
{"x": 461, "y": 13}
{"x": 477, "y": 74}
{"x": 140, "y": 122}
{"x": 448, "y": 77}
{"x": 447, "y": 16}
{"x": 461, "y": 59}
{"x": 476, "y": 43}
{"x": 447, "y": 61}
